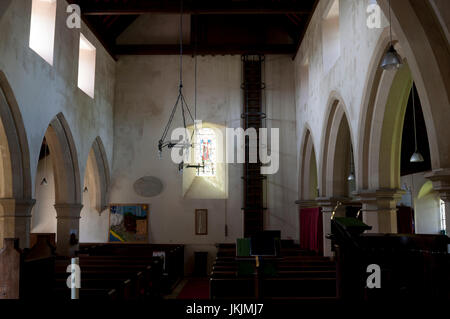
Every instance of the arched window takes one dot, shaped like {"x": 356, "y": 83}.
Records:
{"x": 206, "y": 152}
{"x": 211, "y": 180}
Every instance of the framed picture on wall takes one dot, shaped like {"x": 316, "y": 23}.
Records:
{"x": 201, "y": 222}
{"x": 128, "y": 223}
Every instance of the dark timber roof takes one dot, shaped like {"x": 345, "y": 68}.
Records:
{"x": 217, "y": 26}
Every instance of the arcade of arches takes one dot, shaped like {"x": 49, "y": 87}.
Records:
{"x": 65, "y": 156}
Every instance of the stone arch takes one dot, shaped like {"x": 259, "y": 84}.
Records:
{"x": 381, "y": 127}
{"x": 308, "y": 180}
{"x": 15, "y": 181}
{"x": 424, "y": 44}
{"x": 370, "y": 95}
{"x": 384, "y": 143}
{"x": 15, "y": 159}
{"x": 98, "y": 176}
{"x": 67, "y": 183}
{"x": 337, "y": 141}
{"x": 65, "y": 161}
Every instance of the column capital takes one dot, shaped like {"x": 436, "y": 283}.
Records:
{"x": 307, "y": 203}
{"x": 15, "y": 219}
{"x": 12, "y": 207}
{"x": 379, "y": 207}
{"x": 68, "y": 211}
{"x": 328, "y": 203}
{"x": 441, "y": 182}
{"x": 367, "y": 196}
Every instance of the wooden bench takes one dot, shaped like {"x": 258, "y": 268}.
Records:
{"x": 173, "y": 262}
{"x": 131, "y": 278}
{"x": 293, "y": 275}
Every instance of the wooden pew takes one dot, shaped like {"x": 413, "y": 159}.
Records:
{"x": 89, "y": 294}
{"x": 27, "y": 273}
{"x": 133, "y": 278}
{"x": 37, "y": 268}
{"x": 10, "y": 269}
{"x": 174, "y": 257}
{"x": 294, "y": 275}
{"x": 39, "y": 273}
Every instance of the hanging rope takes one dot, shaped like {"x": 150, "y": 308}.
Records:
{"x": 180, "y": 100}
{"x": 181, "y": 45}
{"x": 414, "y": 118}
{"x": 390, "y": 23}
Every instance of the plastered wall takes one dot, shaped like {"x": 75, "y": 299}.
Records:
{"x": 146, "y": 90}
{"x": 42, "y": 91}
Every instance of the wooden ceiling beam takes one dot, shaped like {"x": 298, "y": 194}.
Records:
{"x": 226, "y": 49}
{"x": 304, "y": 29}
{"x": 136, "y": 7}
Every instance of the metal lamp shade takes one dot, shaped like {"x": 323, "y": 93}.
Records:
{"x": 351, "y": 177}
{"x": 391, "y": 59}
{"x": 416, "y": 158}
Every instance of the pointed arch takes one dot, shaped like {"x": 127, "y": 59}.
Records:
{"x": 65, "y": 161}
{"x": 15, "y": 172}
{"x": 370, "y": 98}
{"x": 308, "y": 167}
{"x": 337, "y": 138}
{"x": 15, "y": 156}
{"x": 386, "y": 137}
{"x": 424, "y": 44}
{"x": 381, "y": 124}
{"x": 98, "y": 176}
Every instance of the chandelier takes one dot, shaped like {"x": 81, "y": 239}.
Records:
{"x": 181, "y": 103}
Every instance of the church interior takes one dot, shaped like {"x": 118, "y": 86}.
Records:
{"x": 259, "y": 150}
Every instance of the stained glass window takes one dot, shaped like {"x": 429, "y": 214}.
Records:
{"x": 205, "y": 152}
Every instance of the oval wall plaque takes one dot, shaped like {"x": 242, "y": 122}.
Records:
{"x": 148, "y": 186}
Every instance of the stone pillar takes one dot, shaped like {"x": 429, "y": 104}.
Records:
{"x": 441, "y": 184}
{"x": 328, "y": 204}
{"x": 68, "y": 222}
{"x": 379, "y": 208}
{"x": 15, "y": 220}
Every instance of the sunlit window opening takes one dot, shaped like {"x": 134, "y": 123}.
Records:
{"x": 442, "y": 213}
{"x": 42, "y": 28}
{"x": 86, "y": 67}
{"x": 206, "y": 152}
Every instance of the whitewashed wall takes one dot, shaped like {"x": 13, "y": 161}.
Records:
{"x": 93, "y": 226}
{"x": 282, "y": 213}
{"x": 43, "y": 214}
{"x": 145, "y": 93}
{"x": 347, "y": 76}
{"x": 427, "y": 208}
{"x": 42, "y": 90}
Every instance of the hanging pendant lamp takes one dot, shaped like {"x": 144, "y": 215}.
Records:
{"x": 44, "y": 180}
{"x": 391, "y": 59}
{"x": 197, "y": 166}
{"x": 181, "y": 102}
{"x": 416, "y": 157}
{"x": 351, "y": 176}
